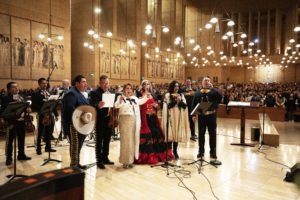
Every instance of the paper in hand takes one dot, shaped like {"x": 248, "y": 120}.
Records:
{"x": 109, "y": 100}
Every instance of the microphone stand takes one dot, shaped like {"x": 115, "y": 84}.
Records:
{"x": 263, "y": 128}
{"x": 166, "y": 164}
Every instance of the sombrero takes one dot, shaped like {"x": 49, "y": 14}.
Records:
{"x": 84, "y": 119}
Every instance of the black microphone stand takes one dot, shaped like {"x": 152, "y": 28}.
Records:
{"x": 166, "y": 164}
{"x": 263, "y": 129}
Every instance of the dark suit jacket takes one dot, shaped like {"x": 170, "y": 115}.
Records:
{"x": 8, "y": 99}
{"x": 37, "y": 99}
{"x": 72, "y": 99}
{"x": 95, "y": 98}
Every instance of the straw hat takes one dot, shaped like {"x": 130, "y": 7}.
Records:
{"x": 84, "y": 119}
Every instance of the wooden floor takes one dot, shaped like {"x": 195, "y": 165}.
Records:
{"x": 245, "y": 173}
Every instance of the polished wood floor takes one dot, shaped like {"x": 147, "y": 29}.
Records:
{"x": 245, "y": 173}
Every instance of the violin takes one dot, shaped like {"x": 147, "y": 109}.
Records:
{"x": 113, "y": 120}
{"x": 29, "y": 126}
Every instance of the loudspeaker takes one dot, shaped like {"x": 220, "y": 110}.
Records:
{"x": 294, "y": 174}
{"x": 62, "y": 184}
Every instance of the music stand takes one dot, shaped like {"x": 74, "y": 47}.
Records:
{"x": 203, "y": 107}
{"x": 11, "y": 113}
{"x": 47, "y": 108}
{"x": 166, "y": 164}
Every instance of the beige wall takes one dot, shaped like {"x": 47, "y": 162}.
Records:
{"x": 27, "y": 19}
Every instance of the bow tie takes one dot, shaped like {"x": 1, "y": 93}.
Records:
{"x": 131, "y": 100}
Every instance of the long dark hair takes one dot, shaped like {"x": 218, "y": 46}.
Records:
{"x": 172, "y": 87}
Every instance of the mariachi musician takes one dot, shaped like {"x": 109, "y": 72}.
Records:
{"x": 189, "y": 93}
{"x": 19, "y": 126}
{"x": 207, "y": 119}
{"x": 75, "y": 97}
{"x": 103, "y": 123}
{"x": 45, "y": 121}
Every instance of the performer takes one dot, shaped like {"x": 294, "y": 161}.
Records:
{"x": 129, "y": 125}
{"x": 207, "y": 119}
{"x": 152, "y": 146}
{"x": 45, "y": 121}
{"x": 75, "y": 97}
{"x": 174, "y": 110}
{"x": 189, "y": 93}
{"x": 63, "y": 90}
{"x": 18, "y": 126}
{"x": 103, "y": 128}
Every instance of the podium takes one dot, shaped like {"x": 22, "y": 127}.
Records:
{"x": 242, "y": 106}
{"x": 12, "y": 112}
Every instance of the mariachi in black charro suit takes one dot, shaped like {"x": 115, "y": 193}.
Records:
{"x": 17, "y": 127}
{"x": 46, "y": 121}
{"x": 207, "y": 119}
{"x": 72, "y": 99}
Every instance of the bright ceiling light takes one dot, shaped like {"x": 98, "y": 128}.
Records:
{"x": 98, "y": 10}
{"x": 230, "y": 23}
{"x": 144, "y": 43}
{"x": 229, "y": 33}
{"x": 91, "y": 32}
{"x": 243, "y": 35}
{"x": 224, "y": 37}
{"x": 165, "y": 29}
{"x": 109, "y": 34}
{"x": 208, "y": 26}
{"x": 297, "y": 29}
{"x": 41, "y": 36}
{"x": 213, "y": 20}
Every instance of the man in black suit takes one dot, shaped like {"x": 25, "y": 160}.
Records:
{"x": 45, "y": 121}
{"x": 103, "y": 130}
{"x": 18, "y": 126}
{"x": 207, "y": 119}
{"x": 189, "y": 93}
{"x": 75, "y": 97}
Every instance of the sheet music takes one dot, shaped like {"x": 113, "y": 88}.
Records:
{"x": 109, "y": 100}
{"x": 53, "y": 97}
{"x": 238, "y": 103}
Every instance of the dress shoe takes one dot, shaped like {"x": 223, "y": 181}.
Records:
{"x": 200, "y": 155}
{"x": 194, "y": 138}
{"x": 8, "y": 161}
{"x": 39, "y": 152}
{"x": 108, "y": 162}
{"x": 125, "y": 166}
{"x": 100, "y": 165}
{"x": 213, "y": 156}
{"x": 23, "y": 157}
{"x": 50, "y": 150}
{"x": 176, "y": 155}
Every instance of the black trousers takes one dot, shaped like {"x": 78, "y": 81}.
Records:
{"x": 209, "y": 122}
{"x": 103, "y": 135}
{"x": 45, "y": 131}
{"x": 76, "y": 143}
{"x": 18, "y": 130}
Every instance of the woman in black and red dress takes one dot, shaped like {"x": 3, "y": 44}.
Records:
{"x": 152, "y": 146}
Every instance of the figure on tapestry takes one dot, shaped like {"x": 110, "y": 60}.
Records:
{"x": 116, "y": 63}
{"x": 105, "y": 62}
{"x": 4, "y": 50}
{"x": 133, "y": 65}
